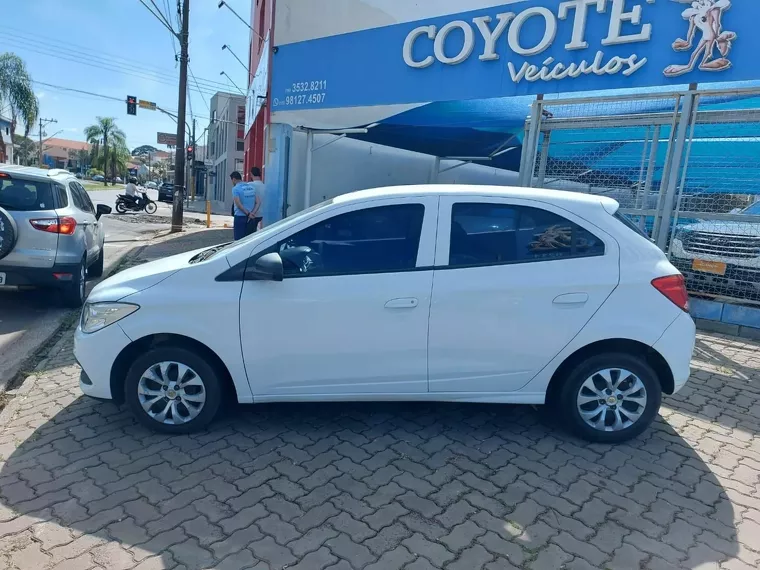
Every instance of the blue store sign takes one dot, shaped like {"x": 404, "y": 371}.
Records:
{"x": 523, "y": 47}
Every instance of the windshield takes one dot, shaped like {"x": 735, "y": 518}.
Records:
{"x": 262, "y": 234}
{"x": 753, "y": 210}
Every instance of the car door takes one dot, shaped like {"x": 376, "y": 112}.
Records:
{"x": 85, "y": 217}
{"x": 98, "y": 235}
{"x": 351, "y": 314}
{"x": 515, "y": 281}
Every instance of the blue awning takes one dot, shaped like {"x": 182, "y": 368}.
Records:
{"x": 723, "y": 158}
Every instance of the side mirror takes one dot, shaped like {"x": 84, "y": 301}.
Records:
{"x": 102, "y": 210}
{"x": 266, "y": 268}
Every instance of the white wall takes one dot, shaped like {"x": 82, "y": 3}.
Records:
{"x": 348, "y": 165}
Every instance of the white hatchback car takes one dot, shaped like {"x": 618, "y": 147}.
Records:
{"x": 454, "y": 293}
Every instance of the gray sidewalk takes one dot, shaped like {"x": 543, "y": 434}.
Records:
{"x": 381, "y": 486}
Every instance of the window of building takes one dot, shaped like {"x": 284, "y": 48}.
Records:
{"x": 373, "y": 240}
{"x": 240, "y": 146}
{"x": 491, "y": 234}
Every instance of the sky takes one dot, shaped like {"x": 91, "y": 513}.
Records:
{"x": 117, "y": 48}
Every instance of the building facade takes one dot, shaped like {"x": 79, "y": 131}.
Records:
{"x": 260, "y": 54}
{"x": 65, "y": 153}
{"x": 225, "y": 147}
{"x": 6, "y": 146}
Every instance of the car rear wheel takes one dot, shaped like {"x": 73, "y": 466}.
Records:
{"x": 610, "y": 398}
{"x": 74, "y": 292}
{"x": 172, "y": 390}
{"x": 96, "y": 269}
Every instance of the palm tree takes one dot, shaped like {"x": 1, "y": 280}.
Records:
{"x": 102, "y": 134}
{"x": 17, "y": 94}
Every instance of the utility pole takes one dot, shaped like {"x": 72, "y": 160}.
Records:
{"x": 192, "y": 164}
{"x": 47, "y": 122}
{"x": 179, "y": 169}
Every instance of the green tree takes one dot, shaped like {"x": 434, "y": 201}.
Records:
{"x": 103, "y": 134}
{"x": 26, "y": 151}
{"x": 17, "y": 94}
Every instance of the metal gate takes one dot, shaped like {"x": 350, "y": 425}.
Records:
{"x": 684, "y": 165}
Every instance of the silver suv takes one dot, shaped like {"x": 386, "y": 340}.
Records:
{"x": 50, "y": 231}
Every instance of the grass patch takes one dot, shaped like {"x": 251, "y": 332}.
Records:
{"x": 91, "y": 186}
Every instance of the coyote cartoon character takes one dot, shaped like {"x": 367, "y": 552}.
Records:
{"x": 705, "y": 17}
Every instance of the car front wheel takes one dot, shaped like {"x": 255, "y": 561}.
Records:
{"x": 172, "y": 390}
{"x": 610, "y": 398}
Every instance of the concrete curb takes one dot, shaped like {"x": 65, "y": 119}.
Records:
{"x": 16, "y": 378}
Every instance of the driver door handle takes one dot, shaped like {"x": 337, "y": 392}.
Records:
{"x": 402, "y": 303}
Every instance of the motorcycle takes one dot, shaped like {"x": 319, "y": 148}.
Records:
{"x": 126, "y": 203}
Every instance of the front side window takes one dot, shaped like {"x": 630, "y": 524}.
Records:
{"x": 373, "y": 240}
{"x": 492, "y": 234}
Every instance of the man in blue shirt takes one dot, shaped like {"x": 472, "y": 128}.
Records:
{"x": 246, "y": 205}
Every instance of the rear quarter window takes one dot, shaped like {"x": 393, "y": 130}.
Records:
{"x": 628, "y": 222}
{"x": 25, "y": 195}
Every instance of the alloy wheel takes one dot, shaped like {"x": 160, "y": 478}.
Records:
{"x": 171, "y": 393}
{"x": 612, "y": 399}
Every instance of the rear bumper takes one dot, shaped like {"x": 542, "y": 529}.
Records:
{"x": 676, "y": 346}
{"x": 59, "y": 275}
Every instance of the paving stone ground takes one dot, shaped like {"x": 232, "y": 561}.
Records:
{"x": 382, "y": 486}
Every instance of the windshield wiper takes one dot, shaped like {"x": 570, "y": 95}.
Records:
{"x": 206, "y": 254}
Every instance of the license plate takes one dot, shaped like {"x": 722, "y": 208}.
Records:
{"x": 2, "y": 278}
{"x": 715, "y": 267}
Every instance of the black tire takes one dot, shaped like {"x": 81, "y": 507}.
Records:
{"x": 121, "y": 208}
{"x": 212, "y": 386}
{"x": 150, "y": 207}
{"x": 96, "y": 269}
{"x": 566, "y": 403}
{"x": 8, "y": 233}
{"x": 74, "y": 293}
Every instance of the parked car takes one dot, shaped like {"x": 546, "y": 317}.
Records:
{"x": 166, "y": 192}
{"x": 78, "y": 175}
{"x": 50, "y": 231}
{"x": 98, "y": 178}
{"x": 152, "y": 185}
{"x": 720, "y": 258}
{"x": 118, "y": 180}
{"x": 456, "y": 293}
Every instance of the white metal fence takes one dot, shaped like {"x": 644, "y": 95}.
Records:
{"x": 684, "y": 165}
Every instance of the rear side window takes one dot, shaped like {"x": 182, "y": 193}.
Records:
{"x": 63, "y": 198}
{"x": 628, "y": 222}
{"x": 25, "y": 195}
{"x": 492, "y": 234}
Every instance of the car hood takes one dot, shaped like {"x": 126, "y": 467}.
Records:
{"x": 724, "y": 228}
{"x": 139, "y": 278}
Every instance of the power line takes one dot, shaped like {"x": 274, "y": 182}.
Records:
{"x": 111, "y": 59}
{"x": 109, "y": 67}
{"x": 157, "y": 17}
{"x": 190, "y": 69}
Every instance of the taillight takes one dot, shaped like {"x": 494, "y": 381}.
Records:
{"x": 65, "y": 225}
{"x": 674, "y": 288}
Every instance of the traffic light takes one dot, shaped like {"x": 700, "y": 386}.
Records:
{"x": 190, "y": 152}
{"x": 131, "y": 105}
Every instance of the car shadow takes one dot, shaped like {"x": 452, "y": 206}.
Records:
{"x": 90, "y": 481}
{"x": 724, "y": 386}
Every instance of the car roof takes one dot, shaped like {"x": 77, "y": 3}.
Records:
{"x": 563, "y": 198}
{"x": 42, "y": 174}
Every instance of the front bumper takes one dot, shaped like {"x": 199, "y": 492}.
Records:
{"x": 676, "y": 345}
{"x": 55, "y": 276}
{"x": 96, "y": 353}
{"x": 740, "y": 282}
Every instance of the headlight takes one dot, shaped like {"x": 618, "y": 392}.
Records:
{"x": 96, "y": 316}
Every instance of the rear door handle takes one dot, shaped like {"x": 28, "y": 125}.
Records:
{"x": 571, "y": 299}
{"x": 402, "y": 303}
